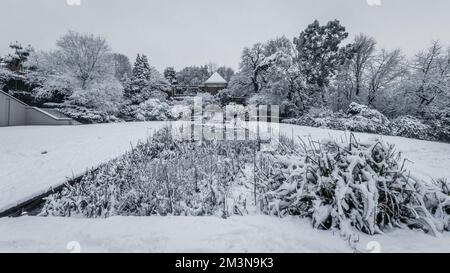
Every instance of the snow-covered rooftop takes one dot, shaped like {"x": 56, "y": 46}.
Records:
{"x": 215, "y": 78}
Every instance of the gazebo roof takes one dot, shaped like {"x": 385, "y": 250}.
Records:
{"x": 215, "y": 79}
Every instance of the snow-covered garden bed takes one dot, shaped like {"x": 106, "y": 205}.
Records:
{"x": 158, "y": 233}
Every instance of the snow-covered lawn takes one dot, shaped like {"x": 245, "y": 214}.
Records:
{"x": 32, "y": 159}
{"x": 35, "y": 158}
{"x": 196, "y": 234}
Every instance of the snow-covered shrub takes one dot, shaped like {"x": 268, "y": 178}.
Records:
{"x": 102, "y": 96}
{"x": 439, "y": 121}
{"x": 152, "y": 109}
{"x": 361, "y": 186}
{"x": 149, "y": 110}
{"x": 411, "y": 127}
{"x": 355, "y": 109}
{"x": 98, "y": 103}
{"x": 361, "y": 118}
{"x": 159, "y": 177}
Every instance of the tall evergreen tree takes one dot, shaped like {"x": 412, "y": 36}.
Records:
{"x": 138, "y": 81}
{"x": 319, "y": 53}
{"x": 145, "y": 82}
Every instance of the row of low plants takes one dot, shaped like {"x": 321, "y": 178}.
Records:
{"x": 158, "y": 177}
{"x": 360, "y": 118}
{"x": 341, "y": 186}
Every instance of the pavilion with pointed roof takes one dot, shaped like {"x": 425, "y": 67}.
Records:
{"x": 214, "y": 84}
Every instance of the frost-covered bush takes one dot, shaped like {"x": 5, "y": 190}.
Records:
{"x": 356, "y": 186}
{"x": 361, "y": 118}
{"x": 439, "y": 121}
{"x": 356, "y": 109}
{"x": 159, "y": 177}
{"x": 102, "y": 96}
{"x": 358, "y": 118}
{"x": 149, "y": 110}
{"x": 152, "y": 109}
{"x": 411, "y": 127}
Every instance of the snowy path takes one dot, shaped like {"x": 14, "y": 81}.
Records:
{"x": 195, "y": 234}
{"x": 35, "y": 158}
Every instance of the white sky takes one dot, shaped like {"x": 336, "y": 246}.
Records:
{"x": 193, "y": 32}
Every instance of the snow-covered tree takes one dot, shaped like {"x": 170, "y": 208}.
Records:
{"x": 139, "y": 78}
{"x": 254, "y": 65}
{"x": 171, "y": 75}
{"x": 14, "y": 62}
{"x": 85, "y": 57}
{"x": 193, "y": 75}
{"x": 430, "y": 78}
{"x": 226, "y": 72}
{"x": 363, "y": 49}
{"x": 212, "y": 67}
{"x": 385, "y": 70}
{"x": 319, "y": 52}
{"x": 48, "y": 76}
{"x": 122, "y": 65}
{"x": 350, "y": 83}
{"x": 78, "y": 78}
{"x": 145, "y": 82}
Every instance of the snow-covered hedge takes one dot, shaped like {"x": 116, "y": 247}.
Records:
{"x": 343, "y": 186}
{"x": 361, "y": 186}
{"x": 86, "y": 115}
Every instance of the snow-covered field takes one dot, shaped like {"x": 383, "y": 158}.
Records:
{"x": 32, "y": 159}
{"x": 35, "y": 158}
{"x": 197, "y": 234}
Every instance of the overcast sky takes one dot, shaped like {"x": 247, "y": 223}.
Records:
{"x": 193, "y": 32}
